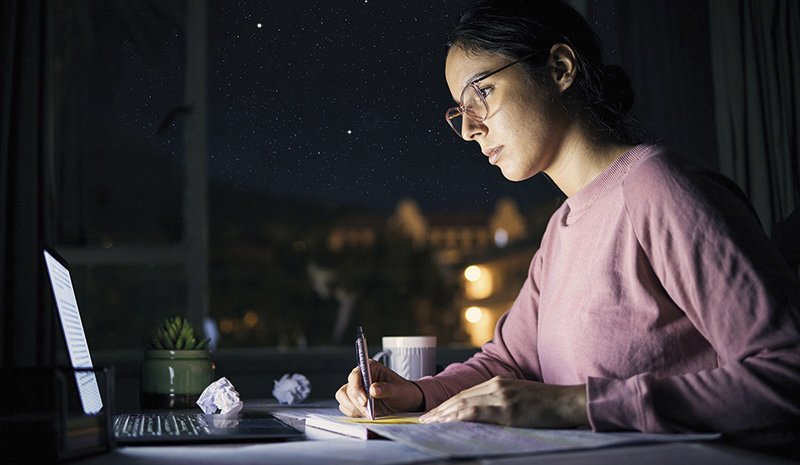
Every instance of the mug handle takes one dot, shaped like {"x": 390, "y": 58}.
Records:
{"x": 382, "y": 354}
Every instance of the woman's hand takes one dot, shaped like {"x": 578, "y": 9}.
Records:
{"x": 515, "y": 402}
{"x": 392, "y": 393}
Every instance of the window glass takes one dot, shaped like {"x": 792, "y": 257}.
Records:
{"x": 337, "y": 195}
{"x": 116, "y": 82}
{"x": 121, "y": 304}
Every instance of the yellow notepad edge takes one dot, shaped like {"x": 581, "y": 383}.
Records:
{"x": 387, "y": 420}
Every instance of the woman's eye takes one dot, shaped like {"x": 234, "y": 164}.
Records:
{"x": 485, "y": 91}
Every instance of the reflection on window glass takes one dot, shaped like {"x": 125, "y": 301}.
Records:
{"x": 337, "y": 195}
{"x": 120, "y": 305}
{"x": 117, "y": 77}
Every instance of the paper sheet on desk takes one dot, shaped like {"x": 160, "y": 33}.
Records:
{"x": 329, "y": 452}
{"x": 467, "y": 440}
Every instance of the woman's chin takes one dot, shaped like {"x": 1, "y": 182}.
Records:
{"x": 512, "y": 174}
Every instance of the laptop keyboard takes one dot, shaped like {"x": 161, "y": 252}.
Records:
{"x": 161, "y": 424}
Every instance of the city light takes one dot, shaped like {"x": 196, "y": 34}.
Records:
{"x": 473, "y": 314}
{"x": 226, "y": 326}
{"x": 501, "y": 237}
{"x": 479, "y": 283}
{"x": 250, "y": 319}
{"x": 473, "y": 273}
{"x": 479, "y": 324}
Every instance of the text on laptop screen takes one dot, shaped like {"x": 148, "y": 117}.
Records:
{"x": 78, "y": 348}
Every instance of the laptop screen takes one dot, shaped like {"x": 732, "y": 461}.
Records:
{"x": 77, "y": 347}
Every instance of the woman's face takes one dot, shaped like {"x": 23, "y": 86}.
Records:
{"x": 523, "y": 130}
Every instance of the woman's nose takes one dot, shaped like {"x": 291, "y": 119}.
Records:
{"x": 472, "y": 129}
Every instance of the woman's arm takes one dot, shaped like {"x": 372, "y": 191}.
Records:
{"x": 504, "y": 356}
{"x": 512, "y": 353}
{"x": 716, "y": 263}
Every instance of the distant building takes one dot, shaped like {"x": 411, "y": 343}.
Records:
{"x": 359, "y": 232}
{"x": 452, "y": 236}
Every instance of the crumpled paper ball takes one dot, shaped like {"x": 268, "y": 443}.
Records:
{"x": 220, "y": 396}
{"x": 291, "y": 389}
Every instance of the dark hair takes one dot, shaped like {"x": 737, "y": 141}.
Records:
{"x": 601, "y": 96}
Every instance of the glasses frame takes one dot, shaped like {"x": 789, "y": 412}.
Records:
{"x": 461, "y": 111}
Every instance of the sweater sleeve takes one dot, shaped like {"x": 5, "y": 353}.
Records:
{"x": 511, "y": 353}
{"x": 717, "y": 264}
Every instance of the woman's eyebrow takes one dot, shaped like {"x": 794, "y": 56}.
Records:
{"x": 475, "y": 77}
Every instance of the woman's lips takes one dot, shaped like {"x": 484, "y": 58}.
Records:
{"x": 493, "y": 154}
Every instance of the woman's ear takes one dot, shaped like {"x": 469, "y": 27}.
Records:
{"x": 562, "y": 66}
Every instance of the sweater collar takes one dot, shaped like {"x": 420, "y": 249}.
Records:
{"x": 611, "y": 177}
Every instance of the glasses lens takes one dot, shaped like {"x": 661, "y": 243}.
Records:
{"x": 455, "y": 119}
{"x": 474, "y": 105}
{"x": 474, "y": 108}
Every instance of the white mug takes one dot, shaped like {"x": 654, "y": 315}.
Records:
{"x": 411, "y": 357}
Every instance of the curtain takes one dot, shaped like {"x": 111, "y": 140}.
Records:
{"x": 26, "y": 323}
{"x": 755, "y": 57}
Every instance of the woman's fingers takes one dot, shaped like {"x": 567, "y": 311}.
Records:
{"x": 476, "y": 407}
{"x": 392, "y": 393}
{"x": 346, "y": 406}
{"x": 349, "y": 394}
{"x": 354, "y": 388}
{"x": 515, "y": 403}
{"x": 354, "y": 399}
{"x": 451, "y": 408}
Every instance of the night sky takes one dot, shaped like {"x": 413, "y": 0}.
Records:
{"x": 343, "y": 102}
{"x": 340, "y": 102}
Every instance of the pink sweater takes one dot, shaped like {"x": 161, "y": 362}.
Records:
{"x": 657, "y": 288}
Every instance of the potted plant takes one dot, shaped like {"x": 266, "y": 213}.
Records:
{"x": 177, "y": 366}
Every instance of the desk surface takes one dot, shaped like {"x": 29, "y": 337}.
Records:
{"x": 328, "y": 448}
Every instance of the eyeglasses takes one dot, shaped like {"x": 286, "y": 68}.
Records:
{"x": 473, "y": 101}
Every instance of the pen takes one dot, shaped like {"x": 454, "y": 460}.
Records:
{"x": 366, "y": 379}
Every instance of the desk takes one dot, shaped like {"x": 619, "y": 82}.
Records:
{"x": 327, "y": 448}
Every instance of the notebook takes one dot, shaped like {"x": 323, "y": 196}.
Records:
{"x": 359, "y": 428}
{"x": 148, "y": 427}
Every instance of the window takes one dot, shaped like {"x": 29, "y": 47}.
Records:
{"x": 246, "y": 162}
{"x": 118, "y": 162}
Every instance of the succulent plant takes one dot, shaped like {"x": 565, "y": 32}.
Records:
{"x": 177, "y": 333}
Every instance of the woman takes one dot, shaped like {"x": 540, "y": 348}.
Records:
{"x": 655, "y": 301}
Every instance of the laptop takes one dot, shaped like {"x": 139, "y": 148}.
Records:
{"x": 148, "y": 427}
